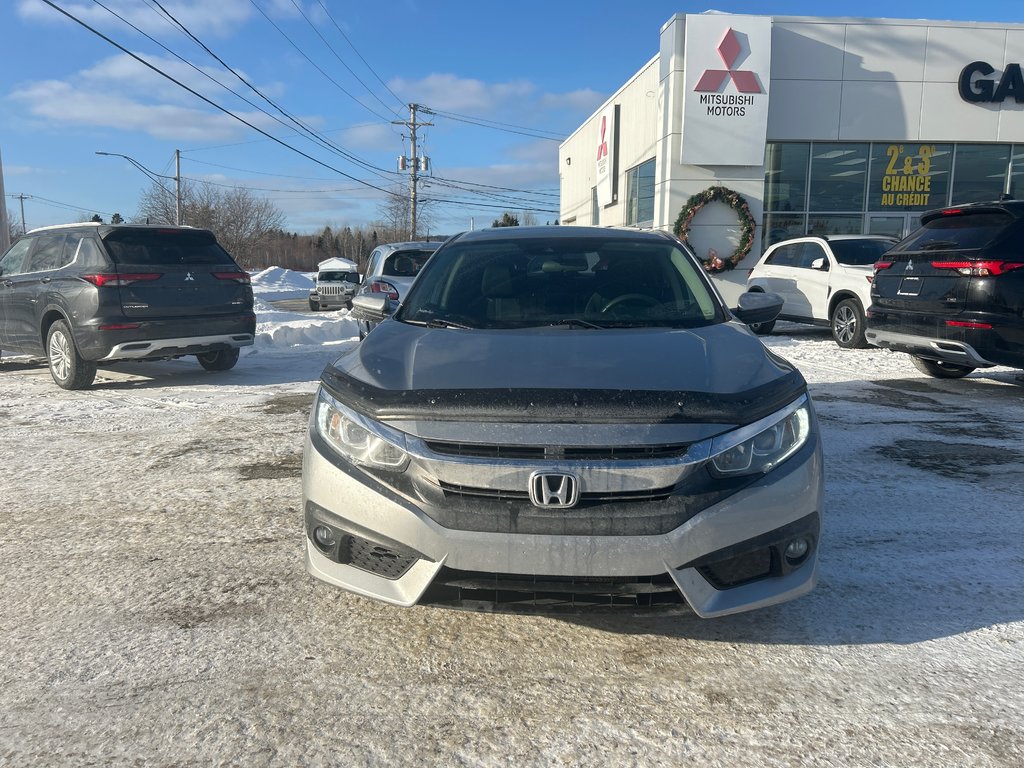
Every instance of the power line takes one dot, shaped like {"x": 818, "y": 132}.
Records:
{"x": 380, "y": 172}
{"x": 211, "y": 102}
{"x": 315, "y": 65}
{"x": 338, "y": 57}
{"x": 353, "y": 47}
{"x": 324, "y": 143}
{"x": 534, "y": 133}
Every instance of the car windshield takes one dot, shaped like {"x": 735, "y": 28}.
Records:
{"x": 580, "y": 282}
{"x": 958, "y": 231}
{"x": 337, "y": 277}
{"x": 405, "y": 263}
{"x": 859, "y": 252}
{"x": 164, "y": 246}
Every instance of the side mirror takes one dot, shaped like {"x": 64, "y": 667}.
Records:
{"x": 820, "y": 264}
{"x": 372, "y": 306}
{"x": 757, "y": 307}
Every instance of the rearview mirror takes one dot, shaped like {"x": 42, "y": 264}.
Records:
{"x": 757, "y": 307}
{"x": 820, "y": 263}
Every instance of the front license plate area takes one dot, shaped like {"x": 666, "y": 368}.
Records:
{"x": 909, "y": 286}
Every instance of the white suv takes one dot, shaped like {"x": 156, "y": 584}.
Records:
{"x": 823, "y": 281}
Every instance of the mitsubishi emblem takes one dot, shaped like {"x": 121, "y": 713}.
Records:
{"x": 909, "y": 267}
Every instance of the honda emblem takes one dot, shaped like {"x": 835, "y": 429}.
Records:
{"x": 554, "y": 490}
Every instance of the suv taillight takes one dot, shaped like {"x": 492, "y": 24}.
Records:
{"x": 238, "y": 277}
{"x": 100, "y": 280}
{"x": 380, "y": 286}
{"x": 880, "y": 265}
{"x": 979, "y": 268}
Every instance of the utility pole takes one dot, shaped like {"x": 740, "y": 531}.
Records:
{"x": 5, "y": 230}
{"x": 22, "y": 199}
{"x": 415, "y": 163}
{"x": 177, "y": 187}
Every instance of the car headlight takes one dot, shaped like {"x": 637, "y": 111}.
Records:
{"x": 760, "y": 447}
{"x": 357, "y": 438}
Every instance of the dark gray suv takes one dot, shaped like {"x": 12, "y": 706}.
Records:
{"x": 84, "y": 294}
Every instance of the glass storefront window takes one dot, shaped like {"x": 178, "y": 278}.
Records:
{"x": 1017, "y": 172}
{"x": 640, "y": 195}
{"x": 979, "y": 172}
{"x": 835, "y": 224}
{"x": 781, "y": 226}
{"x": 909, "y": 177}
{"x": 838, "y": 177}
{"x": 785, "y": 183}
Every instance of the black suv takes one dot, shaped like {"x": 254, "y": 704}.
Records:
{"x": 951, "y": 294}
{"x": 83, "y": 294}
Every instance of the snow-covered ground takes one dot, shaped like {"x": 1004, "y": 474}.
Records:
{"x": 154, "y": 608}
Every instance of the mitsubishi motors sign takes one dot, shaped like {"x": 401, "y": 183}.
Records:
{"x": 727, "y": 72}
{"x": 606, "y": 171}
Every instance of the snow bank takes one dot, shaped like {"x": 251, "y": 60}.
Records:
{"x": 275, "y": 284}
{"x": 281, "y": 328}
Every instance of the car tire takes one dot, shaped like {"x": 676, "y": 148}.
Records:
{"x": 67, "y": 367}
{"x": 940, "y": 370}
{"x": 847, "y": 323}
{"x": 222, "y": 360}
{"x": 762, "y": 329}
{"x": 314, "y": 306}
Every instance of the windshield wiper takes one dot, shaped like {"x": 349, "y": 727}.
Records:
{"x": 437, "y": 322}
{"x": 576, "y": 322}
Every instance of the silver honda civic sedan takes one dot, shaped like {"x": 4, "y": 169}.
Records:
{"x": 564, "y": 416}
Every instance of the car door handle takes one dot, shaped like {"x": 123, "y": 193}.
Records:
{"x": 8, "y": 283}
{"x": 45, "y": 279}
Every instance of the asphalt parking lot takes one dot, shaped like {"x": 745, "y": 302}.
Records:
{"x": 156, "y": 610}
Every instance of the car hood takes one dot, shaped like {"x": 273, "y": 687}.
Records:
{"x": 719, "y": 373}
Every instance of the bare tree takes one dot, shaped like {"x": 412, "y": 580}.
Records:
{"x": 14, "y": 228}
{"x": 394, "y": 222}
{"x": 527, "y": 218}
{"x": 242, "y": 222}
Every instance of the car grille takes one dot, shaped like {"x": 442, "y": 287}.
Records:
{"x": 471, "y": 589}
{"x": 496, "y": 494}
{"x": 331, "y": 290}
{"x": 586, "y": 453}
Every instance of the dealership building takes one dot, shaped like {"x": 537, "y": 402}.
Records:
{"x": 819, "y": 125}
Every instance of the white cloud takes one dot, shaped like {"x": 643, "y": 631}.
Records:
{"x": 375, "y": 136}
{"x": 219, "y": 18}
{"x": 583, "y": 100}
{"x": 121, "y": 92}
{"x": 455, "y": 94}
{"x": 58, "y": 102}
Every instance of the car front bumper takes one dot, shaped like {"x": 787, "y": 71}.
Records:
{"x": 400, "y": 551}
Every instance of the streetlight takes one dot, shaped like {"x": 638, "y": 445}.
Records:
{"x": 145, "y": 170}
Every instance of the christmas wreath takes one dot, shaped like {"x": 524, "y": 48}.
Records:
{"x": 714, "y": 263}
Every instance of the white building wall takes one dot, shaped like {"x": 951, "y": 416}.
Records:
{"x": 887, "y": 80}
{"x": 638, "y": 127}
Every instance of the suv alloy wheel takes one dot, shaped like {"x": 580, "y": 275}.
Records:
{"x": 848, "y": 324}
{"x": 68, "y": 369}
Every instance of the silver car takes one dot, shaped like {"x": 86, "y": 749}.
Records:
{"x": 391, "y": 270}
{"x": 564, "y": 416}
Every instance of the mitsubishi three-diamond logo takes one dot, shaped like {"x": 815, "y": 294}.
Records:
{"x": 744, "y": 79}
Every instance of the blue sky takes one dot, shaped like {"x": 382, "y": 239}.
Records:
{"x": 530, "y": 71}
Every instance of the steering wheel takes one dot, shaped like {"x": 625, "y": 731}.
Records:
{"x": 639, "y": 298}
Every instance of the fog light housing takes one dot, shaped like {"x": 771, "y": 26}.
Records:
{"x": 324, "y": 537}
{"x": 796, "y": 550}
